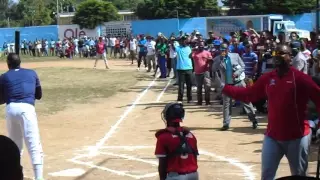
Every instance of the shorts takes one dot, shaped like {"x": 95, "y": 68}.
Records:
{"x": 101, "y": 56}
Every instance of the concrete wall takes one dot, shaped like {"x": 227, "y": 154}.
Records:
{"x": 28, "y": 33}
{"x": 168, "y": 26}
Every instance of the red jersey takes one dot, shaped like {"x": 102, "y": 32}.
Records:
{"x": 201, "y": 61}
{"x": 167, "y": 143}
{"x": 100, "y": 47}
{"x": 287, "y": 102}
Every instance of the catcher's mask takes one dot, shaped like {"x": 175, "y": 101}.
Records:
{"x": 173, "y": 112}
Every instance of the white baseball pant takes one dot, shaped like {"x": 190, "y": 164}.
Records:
{"x": 102, "y": 56}
{"x": 22, "y": 124}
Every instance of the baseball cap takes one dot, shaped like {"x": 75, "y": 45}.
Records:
{"x": 216, "y": 42}
{"x": 228, "y": 38}
{"x": 295, "y": 45}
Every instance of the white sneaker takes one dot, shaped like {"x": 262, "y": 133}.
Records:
{"x": 138, "y": 69}
{"x": 194, "y": 88}
{"x": 146, "y": 68}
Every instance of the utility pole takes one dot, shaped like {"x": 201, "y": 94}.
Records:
{"x": 58, "y": 16}
{"x": 178, "y": 21}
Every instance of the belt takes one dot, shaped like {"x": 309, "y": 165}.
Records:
{"x": 183, "y": 173}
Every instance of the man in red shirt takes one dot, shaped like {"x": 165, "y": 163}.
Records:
{"x": 288, "y": 133}
{"x": 201, "y": 59}
{"x": 176, "y": 147}
{"x": 101, "y": 53}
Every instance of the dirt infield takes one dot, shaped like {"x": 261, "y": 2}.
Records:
{"x": 114, "y": 138}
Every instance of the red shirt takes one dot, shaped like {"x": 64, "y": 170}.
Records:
{"x": 201, "y": 61}
{"x": 100, "y": 47}
{"x": 167, "y": 143}
{"x": 287, "y": 102}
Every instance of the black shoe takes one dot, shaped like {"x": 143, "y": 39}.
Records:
{"x": 255, "y": 124}
{"x": 225, "y": 128}
{"x": 208, "y": 103}
{"x": 199, "y": 103}
{"x": 175, "y": 84}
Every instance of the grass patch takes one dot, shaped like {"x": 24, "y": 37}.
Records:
{"x": 65, "y": 86}
{"x": 28, "y": 58}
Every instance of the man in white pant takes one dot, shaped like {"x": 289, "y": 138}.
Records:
{"x": 101, "y": 53}
{"x": 19, "y": 88}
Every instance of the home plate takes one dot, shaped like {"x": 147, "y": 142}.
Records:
{"x": 69, "y": 173}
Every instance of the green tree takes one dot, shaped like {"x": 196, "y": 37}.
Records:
{"x": 125, "y": 4}
{"x": 34, "y": 12}
{"x": 290, "y": 7}
{"x": 159, "y": 9}
{"x": 91, "y": 13}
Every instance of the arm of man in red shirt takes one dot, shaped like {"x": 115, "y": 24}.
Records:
{"x": 313, "y": 90}
{"x": 249, "y": 94}
{"x": 161, "y": 154}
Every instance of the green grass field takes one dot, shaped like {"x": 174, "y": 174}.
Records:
{"x": 65, "y": 86}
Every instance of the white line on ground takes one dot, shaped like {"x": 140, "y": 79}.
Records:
{"x": 155, "y": 163}
{"x": 127, "y": 147}
{"x": 246, "y": 169}
{"x": 124, "y": 115}
{"x": 121, "y": 173}
{"x": 163, "y": 91}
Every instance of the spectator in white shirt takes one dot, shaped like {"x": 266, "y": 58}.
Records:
{"x": 173, "y": 59}
{"x": 112, "y": 42}
{"x": 151, "y": 52}
{"x": 132, "y": 48}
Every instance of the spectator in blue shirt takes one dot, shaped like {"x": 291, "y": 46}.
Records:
{"x": 250, "y": 60}
{"x": 235, "y": 46}
{"x": 92, "y": 43}
{"x": 184, "y": 68}
{"x": 142, "y": 51}
{"x": 19, "y": 88}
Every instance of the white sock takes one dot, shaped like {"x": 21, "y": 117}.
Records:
{"x": 38, "y": 171}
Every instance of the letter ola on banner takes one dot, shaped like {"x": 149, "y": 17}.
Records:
{"x": 74, "y": 31}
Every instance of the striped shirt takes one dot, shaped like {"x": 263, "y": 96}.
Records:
{"x": 250, "y": 60}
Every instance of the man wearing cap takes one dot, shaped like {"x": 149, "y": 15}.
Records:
{"x": 184, "y": 68}
{"x": 288, "y": 91}
{"x": 299, "y": 60}
{"x": 231, "y": 68}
